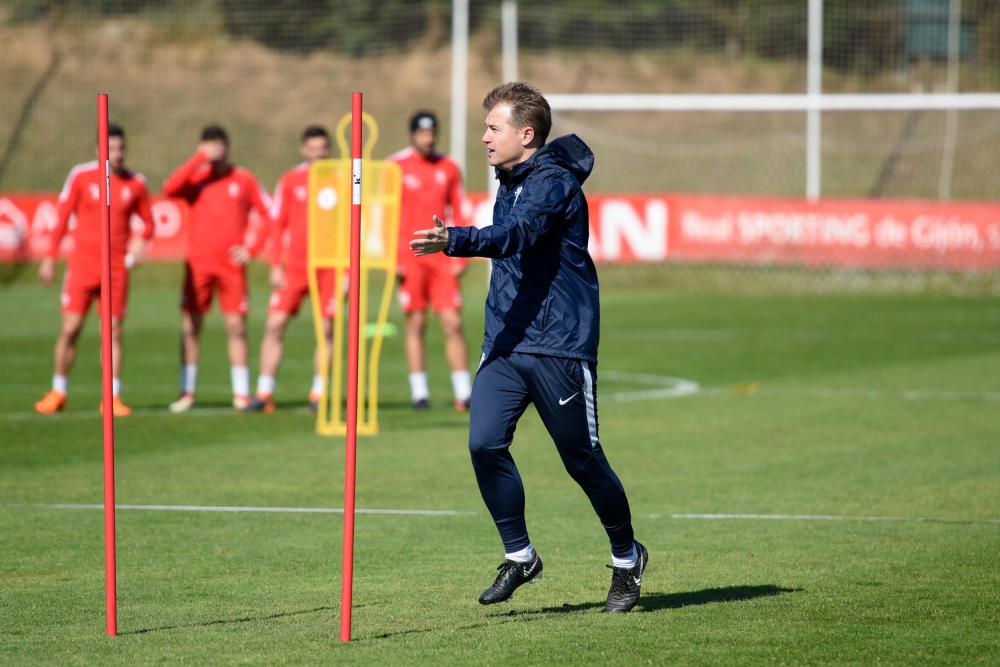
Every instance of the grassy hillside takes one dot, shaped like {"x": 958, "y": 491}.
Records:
{"x": 170, "y": 74}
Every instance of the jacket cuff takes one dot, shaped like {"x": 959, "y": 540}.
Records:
{"x": 453, "y": 241}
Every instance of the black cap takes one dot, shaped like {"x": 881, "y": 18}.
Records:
{"x": 423, "y": 120}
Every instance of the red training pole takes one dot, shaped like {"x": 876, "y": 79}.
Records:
{"x": 353, "y": 321}
{"x": 110, "y": 586}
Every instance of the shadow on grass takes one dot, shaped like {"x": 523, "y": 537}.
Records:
{"x": 647, "y": 603}
{"x": 658, "y": 601}
{"x": 231, "y": 621}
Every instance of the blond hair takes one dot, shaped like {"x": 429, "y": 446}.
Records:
{"x": 528, "y": 107}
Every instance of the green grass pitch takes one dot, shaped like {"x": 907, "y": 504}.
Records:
{"x": 880, "y": 413}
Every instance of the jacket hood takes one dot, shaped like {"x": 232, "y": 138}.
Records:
{"x": 568, "y": 152}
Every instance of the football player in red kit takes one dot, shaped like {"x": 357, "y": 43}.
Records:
{"x": 220, "y": 244}
{"x": 82, "y": 282}
{"x": 289, "y": 270}
{"x": 432, "y": 185}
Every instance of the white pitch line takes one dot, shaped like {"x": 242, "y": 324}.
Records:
{"x": 822, "y": 517}
{"x": 877, "y": 394}
{"x": 234, "y": 508}
{"x": 723, "y": 335}
{"x": 418, "y": 512}
{"x": 665, "y": 386}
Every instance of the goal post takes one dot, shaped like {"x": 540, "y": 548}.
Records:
{"x": 795, "y": 104}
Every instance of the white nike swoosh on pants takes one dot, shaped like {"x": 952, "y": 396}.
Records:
{"x": 567, "y": 400}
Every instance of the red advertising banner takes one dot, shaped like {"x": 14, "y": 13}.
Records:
{"x": 872, "y": 234}
{"x": 845, "y": 233}
{"x": 27, "y": 221}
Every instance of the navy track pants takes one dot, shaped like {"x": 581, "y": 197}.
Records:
{"x": 564, "y": 391}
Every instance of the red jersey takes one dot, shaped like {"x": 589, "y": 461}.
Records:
{"x": 432, "y": 186}
{"x": 82, "y": 195}
{"x": 219, "y": 209}
{"x": 290, "y": 213}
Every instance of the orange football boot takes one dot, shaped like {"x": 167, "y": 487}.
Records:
{"x": 118, "y": 407}
{"x": 51, "y": 403}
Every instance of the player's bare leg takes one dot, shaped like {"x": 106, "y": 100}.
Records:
{"x": 271, "y": 352}
{"x": 272, "y": 347}
{"x": 65, "y": 350}
{"x": 456, "y": 351}
{"x": 236, "y": 331}
{"x": 191, "y": 324}
{"x": 316, "y": 392}
{"x": 119, "y": 408}
{"x": 416, "y": 325}
{"x": 64, "y": 354}
{"x": 190, "y": 337}
{"x": 116, "y": 347}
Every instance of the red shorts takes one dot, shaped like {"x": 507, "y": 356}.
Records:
{"x": 201, "y": 282}
{"x": 81, "y": 287}
{"x": 424, "y": 283}
{"x": 288, "y": 299}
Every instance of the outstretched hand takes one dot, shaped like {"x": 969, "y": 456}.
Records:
{"x": 431, "y": 240}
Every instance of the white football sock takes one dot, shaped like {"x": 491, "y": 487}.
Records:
{"x": 317, "y": 387}
{"x": 418, "y": 386}
{"x": 116, "y": 387}
{"x": 189, "y": 377}
{"x": 240, "y": 376}
{"x": 525, "y": 555}
{"x": 461, "y": 384}
{"x": 60, "y": 383}
{"x": 627, "y": 563}
{"x": 265, "y": 385}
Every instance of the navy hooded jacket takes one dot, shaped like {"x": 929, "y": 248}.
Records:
{"x": 543, "y": 296}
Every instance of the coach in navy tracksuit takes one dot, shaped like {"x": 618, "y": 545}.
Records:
{"x": 542, "y": 329}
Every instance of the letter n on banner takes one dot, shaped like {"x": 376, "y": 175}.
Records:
{"x": 628, "y": 229}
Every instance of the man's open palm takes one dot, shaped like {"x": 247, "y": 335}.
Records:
{"x": 430, "y": 241}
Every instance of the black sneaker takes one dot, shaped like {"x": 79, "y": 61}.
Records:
{"x": 258, "y": 404}
{"x": 625, "y": 583}
{"x": 511, "y": 576}
{"x": 421, "y": 404}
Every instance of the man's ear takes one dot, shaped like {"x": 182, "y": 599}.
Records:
{"x": 527, "y": 136}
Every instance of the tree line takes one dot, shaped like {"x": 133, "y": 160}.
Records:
{"x": 856, "y": 32}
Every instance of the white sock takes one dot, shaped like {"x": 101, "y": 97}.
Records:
{"x": 240, "y": 376}
{"x": 525, "y": 555}
{"x": 60, "y": 383}
{"x": 627, "y": 563}
{"x": 418, "y": 386}
{"x": 116, "y": 387}
{"x": 265, "y": 385}
{"x": 461, "y": 384}
{"x": 317, "y": 387}
{"x": 189, "y": 376}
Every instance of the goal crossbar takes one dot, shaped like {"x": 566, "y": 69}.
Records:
{"x": 778, "y": 102}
